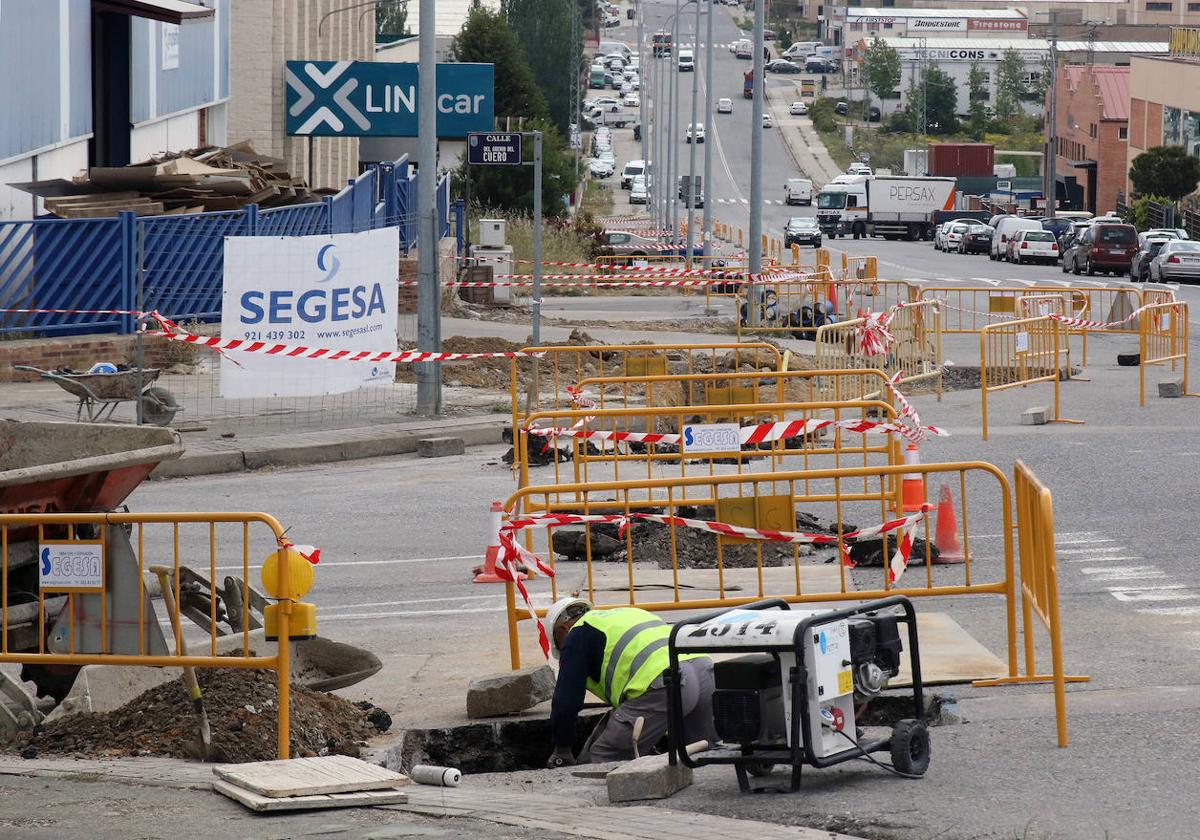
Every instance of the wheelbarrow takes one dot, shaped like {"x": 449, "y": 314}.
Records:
{"x": 100, "y": 393}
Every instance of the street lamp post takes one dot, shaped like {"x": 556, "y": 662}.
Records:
{"x": 708, "y": 115}
{"x": 691, "y": 197}
{"x": 754, "y": 246}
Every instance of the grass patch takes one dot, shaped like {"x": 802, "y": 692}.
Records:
{"x": 597, "y": 199}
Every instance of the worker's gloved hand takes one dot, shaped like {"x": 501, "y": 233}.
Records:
{"x": 561, "y": 757}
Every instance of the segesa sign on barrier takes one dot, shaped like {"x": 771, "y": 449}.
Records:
{"x": 379, "y": 98}
{"x": 338, "y": 292}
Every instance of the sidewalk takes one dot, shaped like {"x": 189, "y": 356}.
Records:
{"x": 473, "y": 802}
{"x": 801, "y": 140}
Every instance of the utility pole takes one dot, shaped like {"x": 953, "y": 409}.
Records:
{"x": 1050, "y": 162}
{"x": 754, "y": 246}
{"x": 429, "y": 324}
{"x": 708, "y": 111}
{"x": 691, "y": 199}
{"x": 672, "y": 107}
{"x": 642, "y": 90}
{"x": 537, "y": 237}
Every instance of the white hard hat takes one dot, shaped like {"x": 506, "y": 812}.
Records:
{"x": 560, "y": 609}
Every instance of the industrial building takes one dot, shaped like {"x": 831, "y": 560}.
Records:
{"x": 1164, "y": 96}
{"x": 1091, "y": 135}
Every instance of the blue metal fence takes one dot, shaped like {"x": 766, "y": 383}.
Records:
{"x": 174, "y": 264}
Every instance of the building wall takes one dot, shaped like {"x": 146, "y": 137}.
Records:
{"x": 1084, "y": 134}
{"x": 265, "y": 34}
{"x": 1164, "y": 104}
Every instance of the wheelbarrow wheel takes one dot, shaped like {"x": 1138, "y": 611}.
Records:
{"x": 910, "y": 747}
{"x": 159, "y": 406}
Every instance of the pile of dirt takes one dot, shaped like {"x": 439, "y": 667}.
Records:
{"x": 241, "y": 707}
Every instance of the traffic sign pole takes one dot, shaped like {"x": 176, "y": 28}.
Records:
{"x": 537, "y": 237}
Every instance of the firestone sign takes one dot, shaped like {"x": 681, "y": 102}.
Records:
{"x": 379, "y": 98}
{"x": 994, "y": 25}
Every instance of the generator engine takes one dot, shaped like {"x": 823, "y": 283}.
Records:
{"x": 793, "y": 693}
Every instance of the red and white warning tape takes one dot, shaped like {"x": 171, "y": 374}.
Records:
{"x": 760, "y": 433}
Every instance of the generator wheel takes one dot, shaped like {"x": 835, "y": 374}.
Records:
{"x": 760, "y": 769}
{"x": 910, "y": 747}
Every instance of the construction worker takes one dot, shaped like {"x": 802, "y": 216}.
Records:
{"x": 620, "y": 655}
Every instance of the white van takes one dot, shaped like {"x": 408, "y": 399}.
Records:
{"x": 687, "y": 60}
{"x": 802, "y": 49}
{"x": 798, "y": 191}
{"x": 1005, "y": 228}
{"x": 744, "y": 49}
{"x": 633, "y": 169}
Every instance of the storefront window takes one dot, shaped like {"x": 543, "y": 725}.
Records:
{"x": 1171, "y": 126}
{"x": 1191, "y": 132}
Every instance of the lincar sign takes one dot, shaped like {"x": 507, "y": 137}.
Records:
{"x": 379, "y": 98}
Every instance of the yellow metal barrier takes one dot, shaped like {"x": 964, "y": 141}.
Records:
{"x": 610, "y": 460}
{"x": 94, "y": 616}
{"x": 859, "y": 268}
{"x": 810, "y": 581}
{"x": 1163, "y": 339}
{"x": 1019, "y": 353}
{"x": 915, "y": 352}
{"x": 1039, "y": 589}
{"x": 544, "y": 381}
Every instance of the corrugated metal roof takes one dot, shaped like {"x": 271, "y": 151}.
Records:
{"x": 899, "y": 14}
{"x": 1110, "y": 84}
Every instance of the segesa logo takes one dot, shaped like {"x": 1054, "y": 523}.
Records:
{"x": 336, "y": 303}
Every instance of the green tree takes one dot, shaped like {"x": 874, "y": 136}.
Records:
{"x": 487, "y": 38}
{"x": 552, "y": 35}
{"x": 941, "y": 102}
{"x": 881, "y": 69}
{"x": 977, "y": 117}
{"x": 1166, "y": 171}
{"x": 914, "y": 111}
{"x": 391, "y": 17}
{"x": 1010, "y": 85}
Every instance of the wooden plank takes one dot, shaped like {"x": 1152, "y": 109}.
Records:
{"x": 266, "y": 804}
{"x": 310, "y": 776}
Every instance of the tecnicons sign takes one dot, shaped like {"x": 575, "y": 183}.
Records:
{"x": 1185, "y": 41}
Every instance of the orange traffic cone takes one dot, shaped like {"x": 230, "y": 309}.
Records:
{"x": 950, "y": 550}
{"x": 912, "y": 491}
{"x": 833, "y": 298}
{"x": 487, "y": 573}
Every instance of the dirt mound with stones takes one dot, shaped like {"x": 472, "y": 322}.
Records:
{"x": 241, "y": 707}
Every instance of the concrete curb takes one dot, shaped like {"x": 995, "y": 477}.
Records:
{"x": 322, "y": 448}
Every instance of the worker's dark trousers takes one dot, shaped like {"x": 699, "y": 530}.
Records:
{"x": 615, "y": 741}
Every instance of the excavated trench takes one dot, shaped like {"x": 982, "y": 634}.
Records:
{"x": 505, "y": 746}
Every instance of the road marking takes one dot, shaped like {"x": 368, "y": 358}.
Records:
{"x": 1127, "y": 596}
{"x": 1177, "y": 612}
{"x": 1081, "y": 542}
{"x": 334, "y": 565}
{"x": 1124, "y": 572}
{"x": 1116, "y": 558}
{"x": 1101, "y": 550}
{"x": 493, "y": 597}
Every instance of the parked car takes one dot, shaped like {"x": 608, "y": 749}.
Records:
{"x": 1005, "y": 228}
{"x": 953, "y": 235}
{"x": 1033, "y": 246}
{"x": 817, "y": 64}
{"x": 858, "y": 168}
{"x": 639, "y": 191}
{"x": 977, "y": 239}
{"x": 768, "y": 34}
{"x": 625, "y": 244}
{"x": 607, "y": 104}
{"x": 797, "y": 109}
{"x": 874, "y": 114}
{"x": 1178, "y": 259}
{"x": 725, "y": 105}
{"x": 1166, "y": 233}
{"x": 781, "y": 65}
{"x": 841, "y": 108}
{"x": 633, "y": 169}
{"x": 1106, "y": 246}
{"x": 695, "y": 131}
{"x": 631, "y": 100}
{"x": 1058, "y": 226}
{"x": 1148, "y": 248}
{"x": 601, "y": 168}
{"x": 802, "y": 230}
{"x": 768, "y": 120}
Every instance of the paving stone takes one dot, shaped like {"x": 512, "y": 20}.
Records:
{"x": 440, "y": 447}
{"x": 509, "y": 691}
{"x": 1036, "y": 416}
{"x": 648, "y": 777}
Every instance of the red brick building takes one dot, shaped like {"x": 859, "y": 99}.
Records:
{"x": 1092, "y": 141}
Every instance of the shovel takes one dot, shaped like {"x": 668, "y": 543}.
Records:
{"x": 205, "y": 748}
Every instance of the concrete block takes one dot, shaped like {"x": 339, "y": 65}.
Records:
{"x": 1036, "y": 416}
{"x": 648, "y": 777}
{"x": 440, "y": 447}
{"x": 509, "y": 692}
{"x": 1171, "y": 387}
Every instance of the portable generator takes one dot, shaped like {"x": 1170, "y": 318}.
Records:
{"x": 796, "y": 690}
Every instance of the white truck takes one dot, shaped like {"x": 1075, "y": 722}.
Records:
{"x": 893, "y": 207}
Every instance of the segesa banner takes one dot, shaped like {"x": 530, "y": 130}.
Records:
{"x": 337, "y": 291}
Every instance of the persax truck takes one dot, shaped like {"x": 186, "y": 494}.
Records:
{"x": 892, "y": 207}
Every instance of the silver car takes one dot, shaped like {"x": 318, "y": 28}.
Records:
{"x": 1178, "y": 259}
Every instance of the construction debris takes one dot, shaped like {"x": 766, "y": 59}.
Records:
{"x": 197, "y": 180}
{"x": 334, "y": 781}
